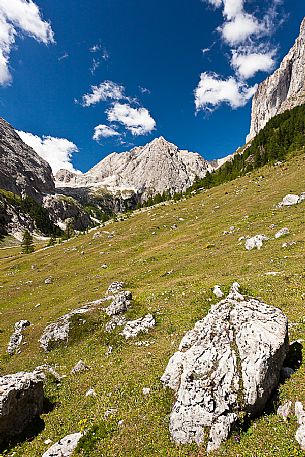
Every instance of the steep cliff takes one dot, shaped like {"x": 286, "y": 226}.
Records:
{"x": 283, "y": 90}
{"x": 22, "y": 170}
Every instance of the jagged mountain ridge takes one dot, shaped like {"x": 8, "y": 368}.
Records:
{"x": 283, "y": 90}
{"x": 156, "y": 167}
{"x": 22, "y": 169}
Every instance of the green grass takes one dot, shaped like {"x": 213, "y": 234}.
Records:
{"x": 171, "y": 274}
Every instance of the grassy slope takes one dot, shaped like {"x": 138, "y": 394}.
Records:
{"x": 200, "y": 257}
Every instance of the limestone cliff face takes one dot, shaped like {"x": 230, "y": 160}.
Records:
{"x": 21, "y": 169}
{"x": 283, "y": 90}
{"x": 147, "y": 170}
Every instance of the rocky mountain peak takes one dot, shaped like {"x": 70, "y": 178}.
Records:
{"x": 22, "y": 169}
{"x": 283, "y": 90}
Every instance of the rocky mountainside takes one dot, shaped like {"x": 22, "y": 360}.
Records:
{"x": 146, "y": 170}
{"x": 283, "y": 90}
{"x": 22, "y": 170}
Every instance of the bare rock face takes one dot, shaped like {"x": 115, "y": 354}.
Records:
{"x": 62, "y": 208}
{"x": 133, "y": 328}
{"x": 153, "y": 168}
{"x": 226, "y": 366}
{"x": 21, "y": 400}
{"x": 22, "y": 170}
{"x": 283, "y": 90}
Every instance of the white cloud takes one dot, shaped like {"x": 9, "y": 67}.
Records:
{"x": 107, "y": 90}
{"x": 247, "y": 63}
{"x": 18, "y": 17}
{"x": 212, "y": 91}
{"x": 95, "y": 48}
{"x": 64, "y": 56}
{"x": 240, "y": 28}
{"x": 57, "y": 151}
{"x": 137, "y": 120}
{"x": 104, "y": 131}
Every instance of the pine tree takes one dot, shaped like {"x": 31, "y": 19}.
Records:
{"x": 52, "y": 241}
{"x": 27, "y": 243}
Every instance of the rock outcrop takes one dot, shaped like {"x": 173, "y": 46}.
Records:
{"x": 16, "y": 337}
{"x": 63, "y": 208}
{"x": 21, "y": 401}
{"x": 226, "y": 367}
{"x": 291, "y": 200}
{"x": 133, "y": 328}
{"x": 22, "y": 170}
{"x": 147, "y": 170}
{"x": 283, "y": 90}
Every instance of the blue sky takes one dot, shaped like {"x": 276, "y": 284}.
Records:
{"x": 124, "y": 72}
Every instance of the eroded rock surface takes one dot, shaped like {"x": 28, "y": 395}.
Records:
{"x": 142, "y": 325}
{"x": 120, "y": 303}
{"x": 16, "y": 337}
{"x": 227, "y": 365}
{"x": 21, "y": 400}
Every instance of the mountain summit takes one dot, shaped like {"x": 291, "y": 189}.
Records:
{"x": 283, "y": 90}
{"x": 156, "y": 167}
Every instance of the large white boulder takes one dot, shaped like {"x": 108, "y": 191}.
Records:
{"x": 226, "y": 366}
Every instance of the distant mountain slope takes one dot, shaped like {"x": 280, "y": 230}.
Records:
{"x": 22, "y": 170}
{"x": 283, "y": 90}
{"x": 154, "y": 168}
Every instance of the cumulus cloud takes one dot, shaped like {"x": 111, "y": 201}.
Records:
{"x": 19, "y": 17}
{"x": 137, "y": 120}
{"x": 107, "y": 90}
{"x": 57, "y": 151}
{"x": 104, "y": 131}
{"x": 240, "y": 28}
{"x": 247, "y": 62}
{"x": 212, "y": 91}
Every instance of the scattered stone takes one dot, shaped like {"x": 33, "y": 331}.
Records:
{"x": 284, "y": 231}
{"x": 146, "y": 390}
{"x": 43, "y": 369}
{"x": 21, "y": 401}
{"x": 104, "y": 266}
{"x": 255, "y": 242}
{"x": 109, "y": 350}
{"x": 228, "y": 364}
{"x": 48, "y": 280}
{"x": 287, "y": 245}
{"x": 110, "y": 412}
{"x": 284, "y": 410}
{"x": 174, "y": 226}
{"x": 120, "y": 303}
{"x": 96, "y": 235}
{"x": 16, "y": 337}
{"x": 120, "y": 422}
{"x": 300, "y": 433}
{"x": 64, "y": 447}
{"x": 218, "y": 292}
{"x": 289, "y": 200}
{"x": 80, "y": 367}
{"x": 47, "y": 442}
{"x": 115, "y": 287}
{"x": 91, "y": 393}
{"x": 133, "y": 328}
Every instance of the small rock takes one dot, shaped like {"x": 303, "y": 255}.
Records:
{"x": 91, "y": 393}
{"x": 109, "y": 351}
{"x": 289, "y": 200}
{"x": 110, "y": 412}
{"x": 16, "y": 337}
{"x": 120, "y": 303}
{"x": 218, "y": 292}
{"x": 284, "y": 410}
{"x": 300, "y": 433}
{"x": 80, "y": 367}
{"x": 255, "y": 242}
{"x": 115, "y": 287}
{"x": 64, "y": 447}
{"x": 104, "y": 266}
{"x": 47, "y": 442}
{"x": 284, "y": 231}
{"x": 146, "y": 390}
{"x": 48, "y": 280}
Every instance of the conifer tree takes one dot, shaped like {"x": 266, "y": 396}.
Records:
{"x": 27, "y": 243}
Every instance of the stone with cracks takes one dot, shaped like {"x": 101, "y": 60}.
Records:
{"x": 64, "y": 447}
{"x": 284, "y": 231}
{"x": 21, "y": 401}
{"x": 134, "y": 328}
{"x": 255, "y": 242}
{"x": 120, "y": 303}
{"x": 16, "y": 337}
{"x": 227, "y": 366}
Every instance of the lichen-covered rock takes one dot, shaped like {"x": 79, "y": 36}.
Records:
{"x": 64, "y": 447}
{"x": 226, "y": 366}
{"x": 256, "y": 242}
{"x": 16, "y": 337}
{"x": 134, "y": 328}
{"x": 21, "y": 401}
{"x": 120, "y": 303}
